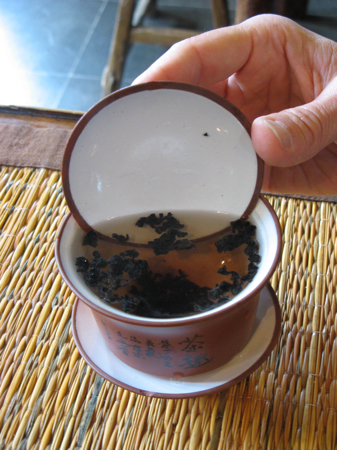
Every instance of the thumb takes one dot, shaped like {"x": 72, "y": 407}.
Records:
{"x": 295, "y": 135}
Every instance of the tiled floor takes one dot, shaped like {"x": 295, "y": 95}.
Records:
{"x": 53, "y": 53}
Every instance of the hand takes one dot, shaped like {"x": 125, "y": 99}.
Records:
{"x": 284, "y": 79}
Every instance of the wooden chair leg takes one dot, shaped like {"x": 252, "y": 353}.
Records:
{"x": 127, "y": 31}
{"x": 113, "y": 71}
{"x": 143, "y": 7}
{"x": 220, "y": 13}
{"x": 250, "y": 8}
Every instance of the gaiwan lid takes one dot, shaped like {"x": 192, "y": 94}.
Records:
{"x": 159, "y": 147}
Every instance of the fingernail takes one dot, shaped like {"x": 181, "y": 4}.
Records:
{"x": 281, "y": 132}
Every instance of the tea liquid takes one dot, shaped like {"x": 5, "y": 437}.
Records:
{"x": 200, "y": 263}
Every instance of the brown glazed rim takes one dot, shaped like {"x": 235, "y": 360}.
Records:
{"x": 226, "y": 385}
{"x": 173, "y": 322}
{"x": 153, "y": 85}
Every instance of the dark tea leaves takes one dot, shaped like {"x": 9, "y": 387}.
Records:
{"x": 91, "y": 238}
{"x": 127, "y": 280}
{"x": 121, "y": 238}
{"x": 169, "y": 229}
{"x": 160, "y": 223}
{"x": 168, "y": 242}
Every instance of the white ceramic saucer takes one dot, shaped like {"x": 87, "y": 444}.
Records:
{"x": 92, "y": 347}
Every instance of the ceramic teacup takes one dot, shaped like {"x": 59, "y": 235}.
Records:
{"x": 159, "y": 147}
{"x": 180, "y": 346}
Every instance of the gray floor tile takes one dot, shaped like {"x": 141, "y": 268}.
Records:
{"x": 322, "y": 8}
{"x": 53, "y": 52}
{"x": 46, "y": 35}
{"x": 96, "y": 53}
{"x": 81, "y": 94}
{"x": 139, "y": 58}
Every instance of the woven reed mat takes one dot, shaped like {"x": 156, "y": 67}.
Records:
{"x": 51, "y": 399}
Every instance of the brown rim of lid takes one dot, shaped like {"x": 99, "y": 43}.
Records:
{"x": 87, "y": 117}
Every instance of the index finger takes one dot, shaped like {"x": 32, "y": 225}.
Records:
{"x": 204, "y": 60}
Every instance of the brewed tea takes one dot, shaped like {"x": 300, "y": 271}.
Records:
{"x": 172, "y": 275}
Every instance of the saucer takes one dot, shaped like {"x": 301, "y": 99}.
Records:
{"x": 93, "y": 349}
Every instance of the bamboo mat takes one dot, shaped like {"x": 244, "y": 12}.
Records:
{"x": 51, "y": 399}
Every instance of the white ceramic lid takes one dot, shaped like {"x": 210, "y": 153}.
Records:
{"x": 159, "y": 147}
